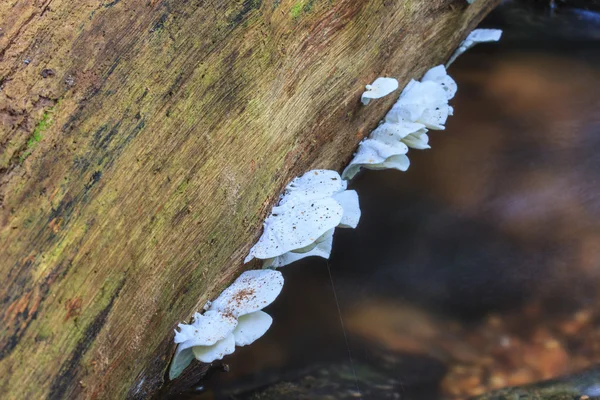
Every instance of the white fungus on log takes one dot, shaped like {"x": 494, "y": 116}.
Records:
{"x": 311, "y": 206}
{"x": 233, "y": 319}
{"x": 380, "y": 88}
{"x": 475, "y": 37}
{"x": 422, "y": 105}
{"x": 439, "y": 75}
{"x": 320, "y": 248}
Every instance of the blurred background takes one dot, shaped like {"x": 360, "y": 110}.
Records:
{"x": 479, "y": 268}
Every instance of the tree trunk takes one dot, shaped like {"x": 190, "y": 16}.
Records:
{"x": 142, "y": 143}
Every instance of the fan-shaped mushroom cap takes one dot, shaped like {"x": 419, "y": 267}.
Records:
{"x": 348, "y": 199}
{"x": 476, "y": 36}
{"x": 320, "y": 248}
{"x": 251, "y": 327}
{"x": 393, "y": 131}
{"x": 305, "y": 212}
{"x": 440, "y": 76}
{"x": 373, "y": 154}
{"x": 315, "y": 184}
{"x": 381, "y": 87}
{"x": 296, "y": 226}
{"x": 252, "y": 291}
{"x": 422, "y": 102}
{"x": 206, "y": 330}
{"x": 418, "y": 140}
{"x": 208, "y": 354}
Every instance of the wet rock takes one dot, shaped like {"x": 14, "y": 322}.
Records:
{"x": 385, "y": 376}
{"x": 581, "y": 386}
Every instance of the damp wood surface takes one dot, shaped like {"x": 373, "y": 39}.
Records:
{"x": 142, "y": 143}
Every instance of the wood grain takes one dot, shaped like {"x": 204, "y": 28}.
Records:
{"x": 143, "y": 142}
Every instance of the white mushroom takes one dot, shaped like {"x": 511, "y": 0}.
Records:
{"x": 320, "y": 248}
{"x": 348, "y": 199}
{"x": 315, "y": 184}
{"x": 418, "y": 140}
{"x": 422, "y": 102}
{"x": 475, "y": 37}
{"x": 205, "y": 331}
{"x": 394, "y": 130}
{"x": 421, "y": 105}
{"x": 311, "y": 206}
{"x": 380, "y": 88}
{"x": 439, "y": 75}
{"x": 296, "y": 225}
{"x": 222, "y": 348}
{"x": 233, "y": 318}
{"x": 251, "y": 327}
{"x": 376, "y": 155}
{"x": 252, "y": 291}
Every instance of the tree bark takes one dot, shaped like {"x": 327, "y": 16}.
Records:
{"x": 142, "y": 143}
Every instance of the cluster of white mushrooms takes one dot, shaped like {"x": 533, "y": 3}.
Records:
{"x": 422, "y": 105}
{"x": 233, "y": 319}
{"x": 302, "y": 224}
{"x": 311, "y": 207}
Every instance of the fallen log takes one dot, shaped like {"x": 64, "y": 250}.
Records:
{"x": 142, "y": 144}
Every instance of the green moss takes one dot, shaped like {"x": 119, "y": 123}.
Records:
{"x": 182, "y": 186}
{"x": 302, "y": 7}
{"x": 36, "y": 136}
{"x": 296, "y": 10}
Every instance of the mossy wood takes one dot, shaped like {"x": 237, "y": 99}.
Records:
{"x": 143, "y": 142}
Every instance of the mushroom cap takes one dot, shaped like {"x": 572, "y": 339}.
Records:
{"x": 348, "y": 199}
{"x": 208, "y": 354}
{"x": 296, "y": 226}
{"x": 313, "y": 185}
{"x": 392, "y": 131}
{"x": 422, "y": 102}
{"x": 320, "y": 248}
{"x": 399, "y": 162}
{"x": 439, "y": 75}
{"x": 373, "y": 154}
{"x": 305, "y": 212}
{"x": 419, "y": 141}
{"x": 381, "y": 87}
{"x": 476, "y": 36}
{"x": 372, "y": 151}
{"x": 206, "y": 330}
{"x": 320, "y": 239}
{"x": 251, "y": 327}
{"x": 252, "y": 291}
{"x": 182, "y": 358}
{"x": 483, "y": 36}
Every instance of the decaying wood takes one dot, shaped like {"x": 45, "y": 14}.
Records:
{"x": 143, "y": 142}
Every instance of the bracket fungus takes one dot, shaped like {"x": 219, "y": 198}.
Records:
{"x": 475, "y": 37}
{"x": 302, "y": 224}
{"x": 422, "y": 105}
{"x": 380, "y": 88}
{"x": 233, "y": 319}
